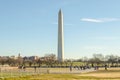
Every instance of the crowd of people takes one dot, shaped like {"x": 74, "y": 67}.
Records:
{"x": 86, "y": 67}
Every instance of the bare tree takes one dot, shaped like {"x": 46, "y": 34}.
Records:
{"x": 96, "y": 59}
{"x": 112, "y": 59}
{"x": 3, "y": 61}
{"x": 50, "y": 59}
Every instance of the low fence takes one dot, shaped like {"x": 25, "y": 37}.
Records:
{"x": 6, "y": 72}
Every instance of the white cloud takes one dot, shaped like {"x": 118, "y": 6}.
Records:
{"x": 99, "y": 20}
{"x": 90, "y": 20}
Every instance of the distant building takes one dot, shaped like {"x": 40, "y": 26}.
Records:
{"x": 32, "y": 58}
{"x": 13, "y": 57}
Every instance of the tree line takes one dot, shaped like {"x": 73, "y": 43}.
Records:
{"x": 50, "y": 60}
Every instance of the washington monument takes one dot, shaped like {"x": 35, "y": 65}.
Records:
{"x": 60, "y": 37}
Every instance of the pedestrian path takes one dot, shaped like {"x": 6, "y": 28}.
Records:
{"x": 74, "y": 71}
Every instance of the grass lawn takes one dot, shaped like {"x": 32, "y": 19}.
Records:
{"x": 110, "y": 74}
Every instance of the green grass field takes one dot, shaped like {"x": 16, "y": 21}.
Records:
{"x": 110, "y": 74}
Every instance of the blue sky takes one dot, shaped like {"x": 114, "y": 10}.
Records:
{"x": 30, "y": 27}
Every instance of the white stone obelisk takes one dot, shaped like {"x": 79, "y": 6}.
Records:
{"x": 60, "y": 37}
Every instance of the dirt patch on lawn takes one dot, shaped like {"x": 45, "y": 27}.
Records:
{"x": 104, "y": 75}
{"x": 101, "y": 73}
